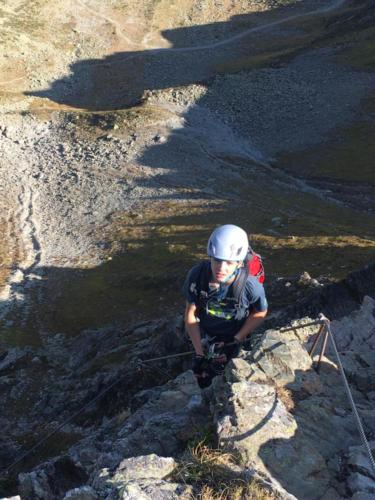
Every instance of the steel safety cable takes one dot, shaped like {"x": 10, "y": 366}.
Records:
{"x": 52, "y": 433}
{"x": 81, "y": 410}
{"x": 89, "y": 403}
{"x": 351, "y": 399}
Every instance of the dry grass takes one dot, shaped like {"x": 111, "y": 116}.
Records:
{"x": 236, "y": 491}
{"x": 215, "y": 476}
{"x": 286, "y": 397}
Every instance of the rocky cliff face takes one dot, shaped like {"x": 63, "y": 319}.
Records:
{"x": 276, "y": 411}
{"x": 290, "y": 429}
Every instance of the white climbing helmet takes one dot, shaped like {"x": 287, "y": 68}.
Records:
{"x": 228, "y": 242}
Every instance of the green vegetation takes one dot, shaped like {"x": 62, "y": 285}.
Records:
{"x": 360, "y": 48}
{"x": 20, "y": 336}
{"x": 139, "y": 281}
{"x": 348, "y": 157}
{"x": 215, "y": 475}
{"x": 153, "y": 251}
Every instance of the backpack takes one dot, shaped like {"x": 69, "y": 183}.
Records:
{"x": 253, "y": 266}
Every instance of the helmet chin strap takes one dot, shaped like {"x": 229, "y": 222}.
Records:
{"x": 228, "y": 278}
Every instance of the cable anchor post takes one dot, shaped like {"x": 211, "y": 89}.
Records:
{"x": 323, "y": 333}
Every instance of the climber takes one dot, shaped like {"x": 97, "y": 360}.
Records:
{"x": 225, "y": 303}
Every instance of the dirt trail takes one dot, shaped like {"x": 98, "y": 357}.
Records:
{"x": 336, "y": 4}
{"x": 117, "y": 26}
{"x": 226, "y": 41}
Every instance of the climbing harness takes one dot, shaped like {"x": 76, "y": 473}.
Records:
{"x": 324, "y": 333}
{"x": 215, "y": 353}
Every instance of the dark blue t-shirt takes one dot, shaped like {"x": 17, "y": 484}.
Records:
{"x": 221, "y": 318}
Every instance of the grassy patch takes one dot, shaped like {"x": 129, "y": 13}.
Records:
{"x": 152, "y": 249}
{"x": 25, "y": 19}
{"x": 360, "y": 52}
{"x": 214, "y": 475}
{"x": 89, "y": 124}
{"x": 143, "y": 277}
{"x": 320, "y": 255}
{"x": 11, "y": 248}
{"x": 301, "y": 34}
{"x": 348, "y": 158}
{"x": 20, "y": 337}
{"x": 286, "y": 397}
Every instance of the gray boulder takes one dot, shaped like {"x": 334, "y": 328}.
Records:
{"x": 83, "y": 493}
{"x": 362, "y": 476}
{"x": 358, "y": 483}
{"x": 290, "y": 426}
{"x": 170, "y": 417}
{"x": 156, "y": 490}
{"x": 144, "y": 467}
{"x": 281, "y": 357}
{"x": 253, "y": 421}
{"x": 51, "y": 480}
{"x": 284, "y": 419}
{"x": 165, "y": 419}
{"x": 357, "y": 331}
{"x": 13, "y": 359}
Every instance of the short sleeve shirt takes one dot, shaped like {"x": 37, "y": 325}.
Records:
{"x": 222, "y": 318}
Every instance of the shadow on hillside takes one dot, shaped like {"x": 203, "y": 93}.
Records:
{"x": 198, "y": 53}
{"x": 119, "y": 81}
{"x": 144, "y": 282}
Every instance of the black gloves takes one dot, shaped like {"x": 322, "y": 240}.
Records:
{"x": 202, "y": 371}
{"x": 199, "y": 362}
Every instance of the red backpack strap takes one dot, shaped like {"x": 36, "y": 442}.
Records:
{"x": 255, "y": 265}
